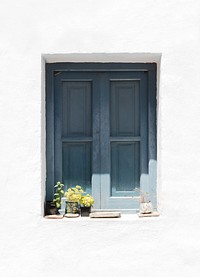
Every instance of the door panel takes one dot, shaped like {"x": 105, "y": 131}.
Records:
{"x": 125, "y": 168}
{"x": 76, "y": 165}
{"x": 124, "y": 108}
{"x": 76, "y": 109}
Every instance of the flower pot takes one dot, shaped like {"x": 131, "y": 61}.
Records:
{"x": 146, "y": 208}
{"x": 51, "y": 208}
{"x": 85, "y": 211}
{"x": 71, "y": 207}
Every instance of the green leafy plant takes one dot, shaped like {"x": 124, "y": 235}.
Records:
{"x": 74, "y": 194}
{"x": 87, "y": 200}
{"x": 58, "y": 194}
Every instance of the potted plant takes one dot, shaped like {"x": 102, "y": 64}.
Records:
{"x": 73, "y": 196}
{"x": 86, "y": 203}
{"x": 50, "y": 208}
{"x": 146, "y": 206}
{"x": 57, "y": 195}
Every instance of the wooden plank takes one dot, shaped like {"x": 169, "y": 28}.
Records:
{"x": 149, "y": 215}
{"x": 96, "y": 179}
{"x": 71, "y": 215}
{"x": 49, "y": 134}
{"x": 91, "y": 66}
{"x": 105, "y": 215}
{"x": 56, "y": 216}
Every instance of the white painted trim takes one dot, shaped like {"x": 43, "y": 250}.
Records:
{"x": 103, "y": 57}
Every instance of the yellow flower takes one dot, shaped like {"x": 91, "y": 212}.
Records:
{"x": 74, "y": 194}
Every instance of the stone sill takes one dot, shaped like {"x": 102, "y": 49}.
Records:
{"x": 123, "y": 218}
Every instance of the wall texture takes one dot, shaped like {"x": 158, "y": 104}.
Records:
{"x": 164, "y": 246}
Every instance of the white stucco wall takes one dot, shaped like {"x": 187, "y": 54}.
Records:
{"x": 164, "y": 246}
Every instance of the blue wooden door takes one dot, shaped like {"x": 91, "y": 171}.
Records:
{"x": 100, "y": 131}
{"x": 123, "y": 138}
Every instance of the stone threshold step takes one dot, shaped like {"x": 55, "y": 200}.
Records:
{"x": 105, "y": 215}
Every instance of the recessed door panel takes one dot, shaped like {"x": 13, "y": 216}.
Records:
{"x": 124, "y": 108}
{"x": 76, "y": 165}
{"x": 76, "y": 109}
{"x": 125, "y": 168}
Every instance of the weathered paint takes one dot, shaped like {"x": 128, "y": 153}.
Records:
{"x": 73, "y": 124}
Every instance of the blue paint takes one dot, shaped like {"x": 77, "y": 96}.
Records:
{"x": 101, "y": 130}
